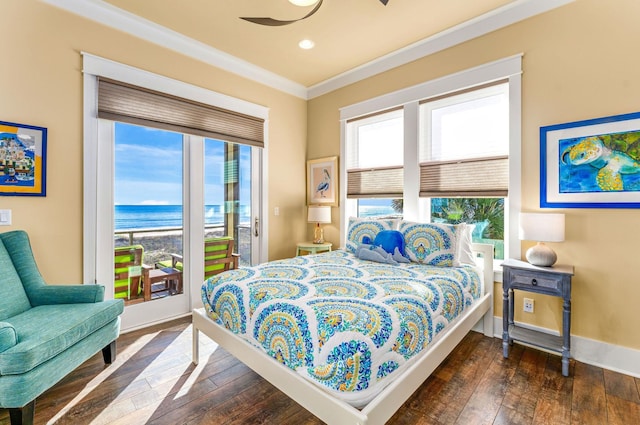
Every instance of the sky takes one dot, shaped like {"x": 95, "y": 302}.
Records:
{"x": 148, "y": 168}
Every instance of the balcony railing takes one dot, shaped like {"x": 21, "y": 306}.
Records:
{"x": 160, "y": 243}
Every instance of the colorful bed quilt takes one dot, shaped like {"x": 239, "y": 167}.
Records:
{"x": 346, "y": 324}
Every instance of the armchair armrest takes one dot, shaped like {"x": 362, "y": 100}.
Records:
{"x": 8, "y": 336}
{"x": 66, "y": 294}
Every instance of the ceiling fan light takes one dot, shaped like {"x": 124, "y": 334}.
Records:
{"x": 306, "y": 44}
{"x": 303, "y": 3}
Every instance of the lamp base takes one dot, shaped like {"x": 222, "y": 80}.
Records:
{"x": 541, "y": 255}
{"x": 318, "y": 234}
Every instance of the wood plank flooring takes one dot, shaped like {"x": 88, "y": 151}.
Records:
{"x": 154, "y": 382}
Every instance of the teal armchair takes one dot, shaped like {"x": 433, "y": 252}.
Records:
{"x": 46, "y": 331}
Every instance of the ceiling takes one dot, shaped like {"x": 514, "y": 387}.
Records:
{"x": 349, "y": 35}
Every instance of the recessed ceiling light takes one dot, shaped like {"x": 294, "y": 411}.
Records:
{"x": 303, "y": 2}
{"x": 306, "y": 44}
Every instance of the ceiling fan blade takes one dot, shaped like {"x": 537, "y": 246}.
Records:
{"x": 269, "y": 21}
{"x": 384, "y": 2}
{"x": 278, "y": 23}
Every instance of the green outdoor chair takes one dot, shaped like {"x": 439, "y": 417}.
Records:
{"x": 128, "y": 271}
{"x": 46, "y": 331}
{"x": 218, "y": 257}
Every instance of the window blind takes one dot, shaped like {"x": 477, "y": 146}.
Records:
{"x": 118, "y": 101}
{"x": 375, "y": 155}
{"x": 380, "y": 182}
{"x": 477, "y": 177}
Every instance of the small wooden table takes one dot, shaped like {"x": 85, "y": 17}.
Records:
{"x": 313, "y": 248}
{"x": 167, "y": 275}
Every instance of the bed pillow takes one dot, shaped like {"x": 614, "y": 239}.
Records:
{"x": 364, "y": 230}
{"x": 435, "y": 244}
{"x": 465, "y": 254}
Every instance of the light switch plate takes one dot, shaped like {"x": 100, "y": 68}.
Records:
{"x": 5, "y": 217}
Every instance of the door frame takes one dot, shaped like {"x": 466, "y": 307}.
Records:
{"x": 98, "y": 189}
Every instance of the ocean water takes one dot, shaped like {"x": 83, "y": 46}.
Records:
{"x": 373, "y": 211}
{"x": 166, "y": 216}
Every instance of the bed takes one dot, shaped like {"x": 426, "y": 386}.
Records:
{"x": 293, "y": 321}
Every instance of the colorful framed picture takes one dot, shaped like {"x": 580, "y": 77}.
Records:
{"x": 591, "y": 164}
{"x": 23, "y": 160}
{"x": 322, "y": 181}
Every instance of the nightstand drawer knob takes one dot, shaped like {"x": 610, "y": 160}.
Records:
{"x": 534, "y": 282}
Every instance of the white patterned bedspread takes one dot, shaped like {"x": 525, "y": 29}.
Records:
{"x": 346, "y": 324}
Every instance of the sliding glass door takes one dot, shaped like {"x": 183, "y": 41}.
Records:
{"x": 228, "y": 188}
{"x": 164, "y": 193}
{"x": 144, "y": 185}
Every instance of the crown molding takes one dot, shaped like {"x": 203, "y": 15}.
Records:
{"x": 106, "y": 14}
{"x": 476, "y": 27}
{"x": 111, "y": 16}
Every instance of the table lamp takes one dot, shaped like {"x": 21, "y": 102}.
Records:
{"x": 541, "y": 227}
{"x": 319, "y": 215}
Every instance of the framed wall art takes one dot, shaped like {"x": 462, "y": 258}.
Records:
{"x": 322, "y": 181}
{"x": 23, "y": 160}
{"x": 591, "y": 164}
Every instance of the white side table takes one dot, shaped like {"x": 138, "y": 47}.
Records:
{"x": 313, "y": 248}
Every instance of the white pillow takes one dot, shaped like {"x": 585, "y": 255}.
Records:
{"x": 434, "y": 244}
{"x": 359, "y": 228}
{"x": 465, "y": 254}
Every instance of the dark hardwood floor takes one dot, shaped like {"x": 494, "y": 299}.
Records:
{"x": 154, "y": 382}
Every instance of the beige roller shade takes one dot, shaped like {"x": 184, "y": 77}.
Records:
{"x": 119, "y": 101}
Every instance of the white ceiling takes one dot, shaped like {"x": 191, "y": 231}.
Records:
{"x": 353, "y": 38}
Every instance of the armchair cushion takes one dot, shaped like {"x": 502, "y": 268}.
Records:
{"x": 8, "y": 336}
{"x": 66, "y": 324}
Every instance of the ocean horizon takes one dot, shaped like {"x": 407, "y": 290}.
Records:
{"x": 128, "y": 217}
{"x": 166, "y": 216}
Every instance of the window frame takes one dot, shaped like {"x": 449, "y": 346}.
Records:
{"x": 508, "y": 69}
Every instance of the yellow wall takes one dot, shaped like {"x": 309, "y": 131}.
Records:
{"x": 580, "y": 62}
{"x": 41, "y": 84}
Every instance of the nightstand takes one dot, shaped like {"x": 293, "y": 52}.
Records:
{"x": 313, "y": 248}
{"x": 555, "y": 281}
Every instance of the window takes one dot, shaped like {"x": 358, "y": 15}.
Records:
{"x": 460, "y": 153}
{"x": 374, "y": 164}
{"x": 464, "y": 151}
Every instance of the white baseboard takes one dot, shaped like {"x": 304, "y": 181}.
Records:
{"x": 596, "y": 353}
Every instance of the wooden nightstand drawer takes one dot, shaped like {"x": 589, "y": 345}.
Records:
{"x": 550, "y": 281}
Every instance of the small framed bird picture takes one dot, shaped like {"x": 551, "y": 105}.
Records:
{"x": 322, "y": 181}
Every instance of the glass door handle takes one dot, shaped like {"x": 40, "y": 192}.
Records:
{"x": 255, "y": 227}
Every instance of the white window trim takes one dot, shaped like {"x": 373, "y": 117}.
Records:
{"x": 97, "y": 239}
{"x": 509, "y": 68}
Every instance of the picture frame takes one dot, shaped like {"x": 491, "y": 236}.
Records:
{"x": 23, "y": 159}
{"x": 592, "y": 163}
{"x": 322, "y": 181}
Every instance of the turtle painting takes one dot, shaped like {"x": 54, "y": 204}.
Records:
{"x": 602, "y": 163}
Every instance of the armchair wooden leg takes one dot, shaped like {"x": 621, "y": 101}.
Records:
{"x": 109, "y": 353}
{"x": 23, "y": 415}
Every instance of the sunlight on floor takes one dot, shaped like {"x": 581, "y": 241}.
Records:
{"x": 163, "y": 377}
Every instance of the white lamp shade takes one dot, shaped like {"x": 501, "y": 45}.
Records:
{"x": 541, "y": 227}
{"x": 319, "y": 214}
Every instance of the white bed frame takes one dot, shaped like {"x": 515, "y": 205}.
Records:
{"x": 389, "y": 400}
